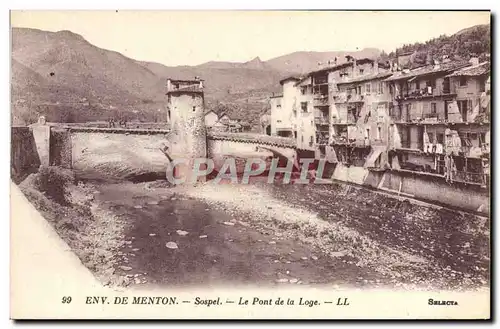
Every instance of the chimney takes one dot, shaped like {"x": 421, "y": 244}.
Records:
{"x": 169, "y": 85}
{"x": 474, "y": 61}
{"x": 436, "y": 64}
{"x": 428, "y": 59}
{"x": 375, "y": 67}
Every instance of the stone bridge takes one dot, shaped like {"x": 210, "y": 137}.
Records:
{"x": 122, "y": 153}
{"x": 136, "y": 154}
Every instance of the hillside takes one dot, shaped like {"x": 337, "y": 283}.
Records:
{"x": 306, "y": 61}
{"x": 61, "y": 75}
{"x": 473, "y": 41}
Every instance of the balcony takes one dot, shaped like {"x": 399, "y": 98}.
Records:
{"x": 321, "y": 120}
{"x": 320, "y": 100}
{"x": 355, "y": 98}
{"x": 468, "y": 177}
{"x": 431, "y": 118}
{"x": 474, "y": 152}
{"x": 323, "y": 80}
{"x": 322, "y": 140}
{"x": 340, "y": 97}
{"x": 350, "y": 120}
{"x": 340, "y": 140}
{"x": 427, "y": 92}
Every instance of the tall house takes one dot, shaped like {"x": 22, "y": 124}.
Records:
{"x": 432, "y": 120}
{"x": 284, "y": 109}
{"x": 333, "y": 109}
{"x": 306, "y": 129}
{"x": 360, "y": 119}
{"x": 185, "y": 106}
{"x": 440, "y": 119}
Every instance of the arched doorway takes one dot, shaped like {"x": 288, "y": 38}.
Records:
{"x": 268, "y": 130}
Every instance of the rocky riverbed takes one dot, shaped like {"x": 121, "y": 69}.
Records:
{"x": 151, "y": 234}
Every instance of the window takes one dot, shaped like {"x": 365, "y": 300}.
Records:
{"x": 440, "y": 138}
{"x": 361, "y": 71}
{"x": 482, "y": 85}
{"x": 344, "y": 74}
{"x": 303, "y": 106}
{"x": 302, "y": 139}
{"x": 194, "y": 108}
{"x": 368, "y": 88}
{"x": 462, "y": 107}
{"x": 463, "y": 81}
{"x": 379, "y": 130}
{"x": 303, "y": 90}
{"x": 367, "y": 133}
{"x": 482, "y": 139}
{"x": 431, "y": 137}
{"x": 465, "y": 138}
{"x": 433, "y": 108}
{"x": 359, "y": 90}
{"x": 408, "y": 111}
{"x": 279, "y": 121}
{"x": 380, "y": 87}
{"x": 311, "y": 140}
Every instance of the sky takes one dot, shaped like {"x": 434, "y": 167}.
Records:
{"x": 191, "y": 38}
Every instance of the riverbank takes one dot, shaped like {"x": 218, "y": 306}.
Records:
{"x": 151, "y": 235}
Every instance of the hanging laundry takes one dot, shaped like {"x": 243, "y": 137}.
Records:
{"x": 453, "y": 142}
{"x": 484, "y": 100}
{"x": 439, "y": 148}
{"x": 471, "y": 116}
{"x": 454, "y": 113}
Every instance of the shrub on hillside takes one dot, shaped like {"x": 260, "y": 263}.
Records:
{"x": 53, "y": 182}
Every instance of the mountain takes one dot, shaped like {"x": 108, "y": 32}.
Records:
{"x": 66, "y": 59}
{"x": 306, "y": 61}
{"x": 63, "y": 76}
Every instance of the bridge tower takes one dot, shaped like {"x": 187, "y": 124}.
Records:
{"x": 186, "y": 109}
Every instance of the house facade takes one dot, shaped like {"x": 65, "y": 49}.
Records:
{"x": 432, "y": 120}
{"x": 441, "y": 121}
{"x": 284, "y": 109}
{"x": 224, "y": 122}
{"x": 211, "y": 118}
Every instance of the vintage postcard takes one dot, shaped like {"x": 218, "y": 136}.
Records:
{"x": 250, "y": 164}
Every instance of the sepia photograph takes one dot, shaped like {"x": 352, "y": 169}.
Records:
{"x": 250, "y": 164}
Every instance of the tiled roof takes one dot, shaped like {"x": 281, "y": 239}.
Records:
{"x": 182, "y": 81}
{"x": 292, "y": 77}
{"x": 366, "y": 78}
{"x": 330, "y": 68}
{"x": 189, "y": 89}
{"x": 340, "y": 66}
{"x": 428, "y": 69}
{"x": 475, "y": 70}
